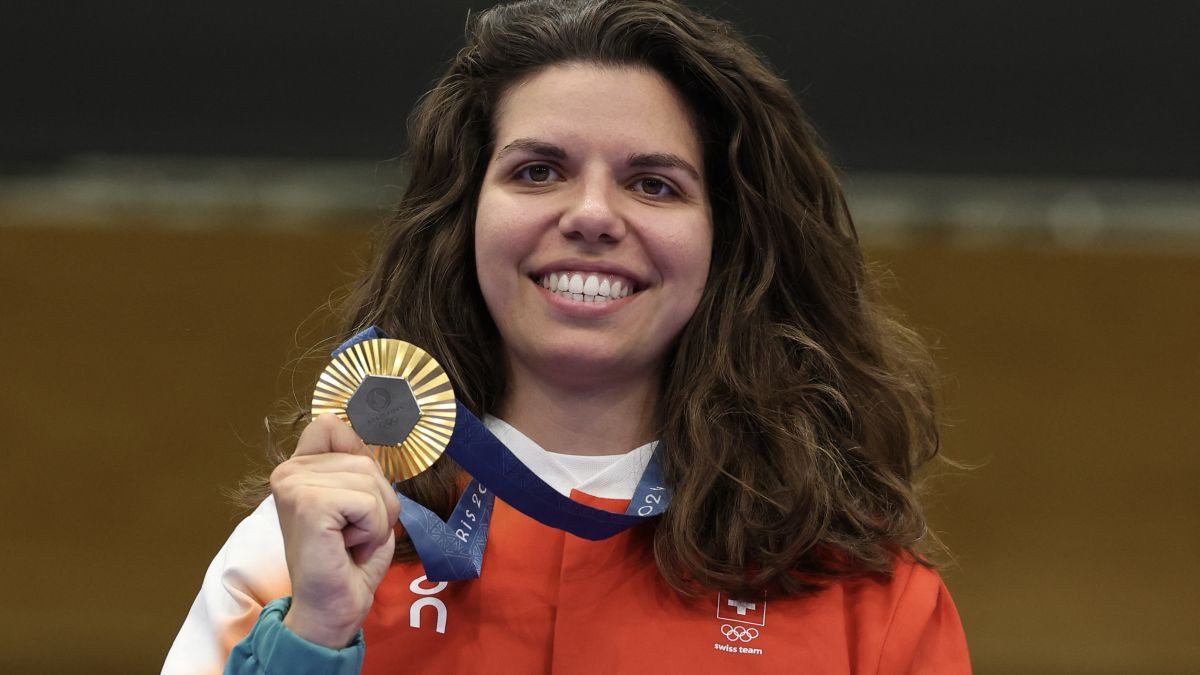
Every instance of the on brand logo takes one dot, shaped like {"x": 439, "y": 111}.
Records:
{"x": 414, "y": 612}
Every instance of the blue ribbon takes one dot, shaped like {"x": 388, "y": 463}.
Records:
{"x": 450, "y": 550}
{"x": 453, "y": 550}
{"x": 490, "y": 462}
{"x": 371, "y": 333}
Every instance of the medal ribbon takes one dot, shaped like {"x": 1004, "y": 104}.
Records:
{"x": 453, "y": 550}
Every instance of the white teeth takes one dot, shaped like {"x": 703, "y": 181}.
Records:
{"x": 586, "y": 288}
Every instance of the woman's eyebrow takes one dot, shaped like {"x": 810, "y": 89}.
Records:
{"x": 535, "y": 146}
{"x": 661, "y": 160}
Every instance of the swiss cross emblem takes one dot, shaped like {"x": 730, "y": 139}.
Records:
{"x": 742, "y": 611}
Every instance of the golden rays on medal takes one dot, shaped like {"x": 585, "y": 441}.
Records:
{"x": 397, "y": 399}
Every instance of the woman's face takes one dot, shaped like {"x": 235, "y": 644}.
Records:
{"x": 593, "y": 233}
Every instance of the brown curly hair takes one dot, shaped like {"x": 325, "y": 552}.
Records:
{"x": 795, "y": 409}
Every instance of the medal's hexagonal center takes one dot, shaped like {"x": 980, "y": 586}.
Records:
{"x": 384, "y": 410}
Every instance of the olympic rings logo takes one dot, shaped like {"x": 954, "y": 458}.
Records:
{"x": 738, "y": 633}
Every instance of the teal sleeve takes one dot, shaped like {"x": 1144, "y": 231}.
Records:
{"x": 271, "y": 648}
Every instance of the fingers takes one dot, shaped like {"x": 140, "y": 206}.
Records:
{"x": 335, "y": 462}
{"x": 330, "y": 435}
{"x": 316, "y": 486}
{"x": 332, "y": 482}
{"x": 339, "y": 480}
{"x": 332, "y": 462}
{"x": 338, "y": 491}
{"x": 368, "y": 523}
{"x": 354, "y": 516}
{"x": 327, "y": 433}
{"x": 365, "y": 519}
{"x": 334, "y": 507}
{"x": 376, "y": 561}
{"x": 392, "y": 504}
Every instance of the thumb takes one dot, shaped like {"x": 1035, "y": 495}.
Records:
{"x": 328, "y": 433}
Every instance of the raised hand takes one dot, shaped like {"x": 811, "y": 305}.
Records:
{"x": 337, "y": 512}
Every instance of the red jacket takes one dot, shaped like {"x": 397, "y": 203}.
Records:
{"x": 548, "y": 601}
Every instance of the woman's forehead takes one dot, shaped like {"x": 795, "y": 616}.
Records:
{"x": 589, "y": 105}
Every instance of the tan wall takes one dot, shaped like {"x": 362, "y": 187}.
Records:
{"x": 138, "y": 367}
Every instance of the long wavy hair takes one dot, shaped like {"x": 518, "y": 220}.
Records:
{"x": 794, "y": 408}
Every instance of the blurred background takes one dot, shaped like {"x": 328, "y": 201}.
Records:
{"x": 185, "y": 187}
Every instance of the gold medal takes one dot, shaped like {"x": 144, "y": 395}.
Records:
{"x": 397, "y": 399}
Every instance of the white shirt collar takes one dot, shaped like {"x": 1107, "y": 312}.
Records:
{"x": 608, "y": 477}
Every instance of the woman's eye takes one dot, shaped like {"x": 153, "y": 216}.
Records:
{"x": 655, "y": 187}
{"x": 537, "y": 173}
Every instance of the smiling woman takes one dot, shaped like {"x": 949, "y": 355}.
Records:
{"x": 623, "y": 242}
{"x": 594, "y": 203}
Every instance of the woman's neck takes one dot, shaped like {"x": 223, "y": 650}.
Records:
{"x": 601, "y": 418}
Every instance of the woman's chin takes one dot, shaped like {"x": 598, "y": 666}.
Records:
{"x": 592, "y": 366}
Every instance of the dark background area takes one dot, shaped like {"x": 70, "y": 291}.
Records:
{"x": 1051, "y": 87}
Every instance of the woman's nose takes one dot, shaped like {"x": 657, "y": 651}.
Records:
{"x": 594, "y": 213}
